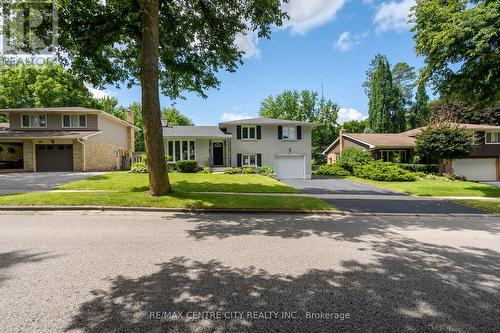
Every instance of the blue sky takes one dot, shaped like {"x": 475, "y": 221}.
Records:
{"x": 329, "y": 41}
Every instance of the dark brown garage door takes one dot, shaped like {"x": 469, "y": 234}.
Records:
{"x": 54, "y": 157}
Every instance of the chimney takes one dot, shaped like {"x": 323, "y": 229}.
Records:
{"x": 341, "y": 140}
{"x": 130, "y": 117}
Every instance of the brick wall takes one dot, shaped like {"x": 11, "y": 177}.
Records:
{"x": 28, "y": 155}
{"x": 101, "y": 156}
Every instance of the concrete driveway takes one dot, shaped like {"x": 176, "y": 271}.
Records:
{"x": 137, "y": 272}
{"x": 15, "y": 183}
{"x": 363, "y": 198}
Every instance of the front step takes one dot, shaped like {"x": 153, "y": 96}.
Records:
{"x": 218, "y": 169}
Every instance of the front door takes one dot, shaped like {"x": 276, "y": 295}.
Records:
{"x": 218, "y": 153}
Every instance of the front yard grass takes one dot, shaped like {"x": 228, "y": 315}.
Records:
{"x": 438, "y": 188}
{"x": 492, "y": 206}
{"x": 130, "y": 190}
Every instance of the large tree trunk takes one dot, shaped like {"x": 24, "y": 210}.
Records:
{"x": 151, "y": 117}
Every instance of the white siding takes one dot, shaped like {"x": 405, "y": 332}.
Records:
{"x": 112, "y": 133}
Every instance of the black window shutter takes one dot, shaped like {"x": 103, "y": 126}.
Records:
{"x": 238, "y": 132}
{"x": 299, "y": 132}
{"x": 280, "y": 132}
{"x": 238, "y": 160}
{"x": 259, "y": 159}
{"x": 259, "y": 133}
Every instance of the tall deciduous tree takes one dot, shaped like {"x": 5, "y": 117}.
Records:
{"x": 386, "y": 112}
{"x": 356, "y": 126}
{"x": 175, "y": 118}
{"x": 404, "y": 76}
{"x": 460, "y": 41}
{"x": 169, "y": 45}
{"x": 305, "y": 106}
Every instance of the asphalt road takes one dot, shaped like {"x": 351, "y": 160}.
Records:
{"x": 23, "y": 182}
{"x": 357, "y": 197}
{"x": 138, "y": 272}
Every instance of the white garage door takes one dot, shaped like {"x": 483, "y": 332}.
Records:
{"x": 289, "y": 166}
{"x": 476, "y": 168}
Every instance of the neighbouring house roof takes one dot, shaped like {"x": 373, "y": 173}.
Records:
{"x": 47, "y": 134}
{"x": 267, "y": 121}
{"x": 476, "y": 127}
{"x": 72, "y": 109}
{"x": 194, "y": 132}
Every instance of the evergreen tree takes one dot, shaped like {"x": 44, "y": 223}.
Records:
{"x": 420, "y": 114}
{"x": 386, "y": 102}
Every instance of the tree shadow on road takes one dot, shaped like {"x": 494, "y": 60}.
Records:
{"x": 408, "y": 286}
{"x": 13, "y": 258}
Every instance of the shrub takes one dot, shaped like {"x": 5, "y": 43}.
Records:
{"x": 140, "y": 167}
{"x": 145, "y": 160}
{"x": 384, "y": 171}
{"x": 186, "y": 166}
{"x": 331, "y": 170}
{"x": 265, "y": 170}
{"x": 248, "y": 170}
{"x": 426, "y": 168}
{"x": 353, "y": 157}
{"x": 206, "y": 170}
{"x": 232, "y": 171}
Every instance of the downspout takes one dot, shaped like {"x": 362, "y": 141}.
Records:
{"x": 83, "y": 154}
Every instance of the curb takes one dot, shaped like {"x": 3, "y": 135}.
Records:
{"x": 168, "y": 210}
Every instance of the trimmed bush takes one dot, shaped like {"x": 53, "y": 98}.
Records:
{"x": 384, "y": 171}
{"x": 206, "y": 170}
{"x": 331, "y": 170}
{"x": 264, "y": 170}
{"x": 145, "y": 160}
{"x": 140, "y": 167}
{"x": 425, "y": 168}
{"x": 354, "y": 157}
{"x": 186, "y": 166}
{"x": 248, "y": 170}
{"x": 232, "y": 171}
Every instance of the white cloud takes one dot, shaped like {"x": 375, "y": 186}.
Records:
{"x": 97, "y": 93}
{"x": 347, "y": 114}
{"x": 347, "y": 41}
{"x": 308, "y": 14}
{"x": 248, "y": 44}
{"x": 233, "y": 116}
{"x": 393, "y": 15}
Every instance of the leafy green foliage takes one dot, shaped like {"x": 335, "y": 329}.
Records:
{"x": 232, "y": 171}
{"x": 175, "y": 118}
{"x": 356, "y": 126}
{"x": 264, "y": 170}
{"x": 386, "y": 112}
{"x": 305, "y": 105}
{"x": 248, "y": 170}
{"x": 353, "y": 157}
{"x": 404, "y": 78}
{"x": 186, "y": 166}
{"x": 420, "y": 113}
{"x": 331, "y": 170}
{"x": 206, "y": 170}
{"x": 384, "y": 171}
{"x": 445, "y": 141}
{"x": 140, "y": 167}
{"x": 425, "y": 168}
{"x": 30, "y": 86}
{"x": 461, "y": 45}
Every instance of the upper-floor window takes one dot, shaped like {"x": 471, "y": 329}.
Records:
{"x": 74, "y": 120}
{"x": 248, "y": 132}
{"x": 289, "y": 133}
{"x": 34, "y": 120}
{"x": 492, "y": 137}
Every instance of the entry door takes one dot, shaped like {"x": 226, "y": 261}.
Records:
{"x": 218, "y": 153}
{"x": 54, "y": 158}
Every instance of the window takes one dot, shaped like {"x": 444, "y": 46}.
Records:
{"x": 397, "y": 156}
{"x": 74, "y": 120}
{"x": 249, "y": 160}
{"x": 34, "y": 120}
{"x": 289, "y": 133}
{"x": 248, "y": 132}
{"x": 180, "y": 150}
{"x": 492, "y": 138}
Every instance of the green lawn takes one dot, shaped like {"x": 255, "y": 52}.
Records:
{"x": 130, "y": 190}
{"x": 183, "y": 182}
{"x": 486, "y": 205}
{"x": 437, "y": 187}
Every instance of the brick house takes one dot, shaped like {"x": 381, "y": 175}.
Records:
{"x": 64, "y": 139}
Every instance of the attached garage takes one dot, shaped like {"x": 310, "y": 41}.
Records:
{"x": 51, "y": 158}
{"x": 476, "y": 168}
{"x": 290, "y": 166}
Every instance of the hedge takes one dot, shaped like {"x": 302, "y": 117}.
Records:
{"x": 331, "y": 170}
{"x": 384, "y": 171}
{"x": 425, "y": 168}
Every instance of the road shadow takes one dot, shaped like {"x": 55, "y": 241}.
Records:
{"x": 407, "y": 286}
{"x": 14, "y": 258}
{"x": 344, "y": 228}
